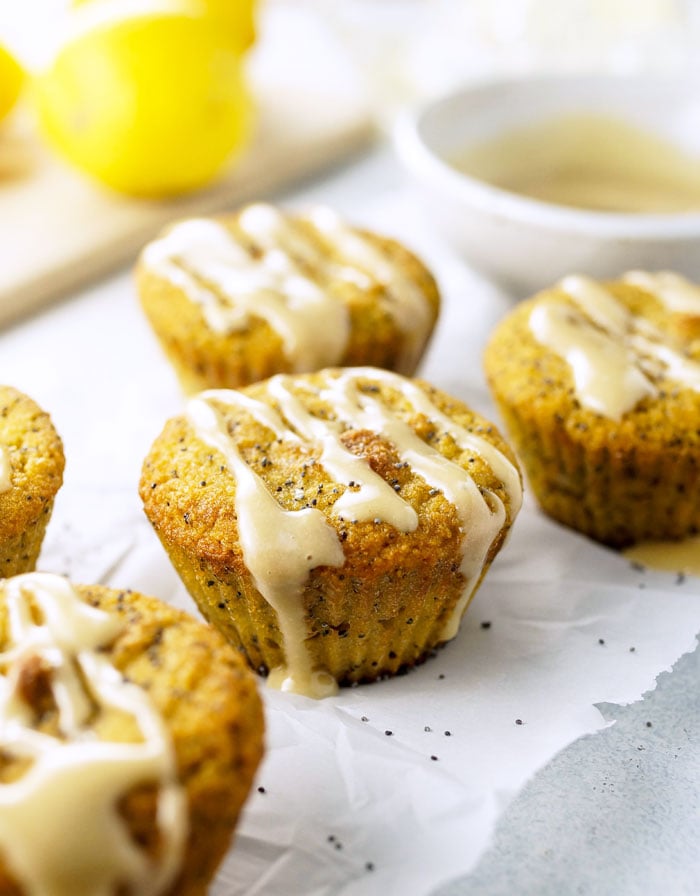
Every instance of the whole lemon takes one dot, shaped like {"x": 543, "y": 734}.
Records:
{"x": 11, "y": 81}
{"x": 236, "y": 16}
{"x": 151, "y": 105}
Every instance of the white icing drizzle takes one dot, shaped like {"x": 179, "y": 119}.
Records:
{"x": 606, "y": 379}
{"x": 408, "y": 305}
{"x": 5, "y": 470}
{"x": 677, "y": 294}
{"x": 203, "y": 258}
{"x": 615, "y": 357}
{"x": 61, "y": 832}
{"x": 482, "y": 516}
{"x": 374, "y": 498}
{"x": 281, "y": 547}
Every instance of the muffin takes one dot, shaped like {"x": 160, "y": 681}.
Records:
{"x": 130, "y": 737}
{"x": 237, "y": 299}
{"x": 31, "y": 472}
{"x": 599, "y": 388}
{"x": 335, "y": 525}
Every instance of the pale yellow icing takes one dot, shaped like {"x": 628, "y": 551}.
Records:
{"x": 671, "y": 556}
{"x": 5, "y": 470}
{"x": 677, "y": 294}
{"x": 61, "y": 832}
{"x": 616, "y": 358}
{"x": 281, "y": 547}
{"x": 407, "y": 305}
{"x": 232, "y": 285}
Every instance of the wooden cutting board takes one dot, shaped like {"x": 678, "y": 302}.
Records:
{"x": 59, "y": 231}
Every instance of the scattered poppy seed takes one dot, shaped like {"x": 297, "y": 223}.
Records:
{"x": 632, "y": 649}
{"x": 518, "y": 721}
{"x": 448, "y": 734}
{"x": 331, "y": 838}
{"x": 427, "y": 728}
{"x": 486, "y": 625}
{"x": 338, "y": 845}
{"x": 261, "y": 790}
{"x": 648, "y": 724}
{"x": 388, "y": 733}
{"x": 441, "y": 676}
{"x": 369, "y": 866}
{"x": 434, "y": 758}
{"x": 601, "y": 640}
{"x": 680, "y": 578}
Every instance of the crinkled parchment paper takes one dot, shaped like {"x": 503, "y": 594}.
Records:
{"x": 393, "y": 787}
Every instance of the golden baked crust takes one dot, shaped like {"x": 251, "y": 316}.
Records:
{"x": 386, "y": 607}
{"x": 618, "y": 481}
{"x": 210, "y": 705}
{"x": 36, "y": 457}
{"x": 204, "y": 358}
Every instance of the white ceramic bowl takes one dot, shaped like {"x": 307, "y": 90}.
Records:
{"x": 526, "y": 244}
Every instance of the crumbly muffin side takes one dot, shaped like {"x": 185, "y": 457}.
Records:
{"x": 231, "y": 306}
{"x": 33, "y": 454}
{"x": 619, "y": 480}
{"x": 209, "y": 704}
{"x": 389, "y": 595}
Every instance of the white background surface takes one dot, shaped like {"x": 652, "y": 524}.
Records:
{"x": 550, "y": 598}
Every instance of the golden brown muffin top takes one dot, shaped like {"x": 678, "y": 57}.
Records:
{"x": 128, "y": 719}
{"x": 309, "y": 279}
{"x": 280, "y": 429}
{"x": 347, "y": 468}
{"x": 620, "y": 357}
{"x": 31, "y": 459}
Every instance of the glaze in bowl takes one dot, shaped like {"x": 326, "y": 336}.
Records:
{"x": 526, "y": 244}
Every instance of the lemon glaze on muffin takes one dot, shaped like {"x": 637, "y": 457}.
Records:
{"x": 130, "y": 734}
{"x": 334, "y": 525}
{"x": 237, "y": 299}
{"x": 599, "y": 387}
{"x": 31, "y": 473}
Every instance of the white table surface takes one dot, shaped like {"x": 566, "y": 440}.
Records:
{"x": 615, "y": 813}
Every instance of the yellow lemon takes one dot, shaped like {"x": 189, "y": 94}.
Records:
{"x": 151, "y": 105}
{"x": 236, "y": 16}
{"x": 11, "y": 81}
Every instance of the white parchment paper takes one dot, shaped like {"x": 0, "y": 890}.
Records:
{"x": 395, "y": 787}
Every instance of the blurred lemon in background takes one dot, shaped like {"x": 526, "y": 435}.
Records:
{"x": 236, "y": 16}
{"x": 151, "y": 104}
{"x": 11, "y": 81}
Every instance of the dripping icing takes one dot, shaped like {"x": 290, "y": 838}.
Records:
{"x": 281, "y": 547}
{"x": 60, "y": 826}
{"x": 677, "y": 294}
{"x": 615, "y": 357}
{"x": 408, "y": 306}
